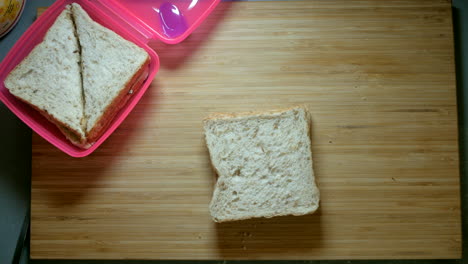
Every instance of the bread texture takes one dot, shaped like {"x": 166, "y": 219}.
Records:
{"x": 264, "y": 164}
{"x": 49, "y": 79}
{"x": 110, "y": 67}
{"x": 79, "y": 76}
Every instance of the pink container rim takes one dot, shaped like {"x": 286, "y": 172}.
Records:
{"x": 111, "y": 14}
{"x": 143, "y": 15}
{"x": 30, "y": 39}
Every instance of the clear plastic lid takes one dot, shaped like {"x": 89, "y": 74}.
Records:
{"x": 168, "y": 20}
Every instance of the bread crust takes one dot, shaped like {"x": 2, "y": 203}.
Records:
{"x": 119, "y": 101}
{"x": 312, "y": 210}
{"x": 70, "y": 133}
{"x": 217, "y": 116}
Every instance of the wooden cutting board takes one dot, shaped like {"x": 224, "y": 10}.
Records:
{"x": 378, "y": 77}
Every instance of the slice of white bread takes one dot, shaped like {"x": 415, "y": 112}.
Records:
{"x": 49, "y": 79}
{"x": 264, "y": 164}
{"x": 110, "y": 67}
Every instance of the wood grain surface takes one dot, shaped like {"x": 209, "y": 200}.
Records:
{"x": 378, "y": 77}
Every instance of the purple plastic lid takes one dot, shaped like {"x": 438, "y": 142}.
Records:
{"x": 168, "y": 20}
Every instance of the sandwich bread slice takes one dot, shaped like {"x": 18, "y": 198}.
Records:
{"x": 79, "y": 76}
{"x": 264, "y": 164}
{"x": 111, "y": 66}
{"x": 49, "y": 79}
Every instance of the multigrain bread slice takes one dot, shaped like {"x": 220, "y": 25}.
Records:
{"x": 111, "y": 66}
{"x": 79, "y": 76}
{"x": 49, "y": 79}
{"x": 264, "y": 164}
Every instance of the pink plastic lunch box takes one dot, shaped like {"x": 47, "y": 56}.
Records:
{"x": 139, "y": 21}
